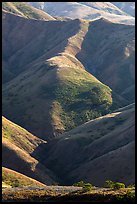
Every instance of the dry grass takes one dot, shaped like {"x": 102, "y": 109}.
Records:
{"x": 98, "y": 195}
{"x": 24, "y": 10}
{"x": 12, "y": 178}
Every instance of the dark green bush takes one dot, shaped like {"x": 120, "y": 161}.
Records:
{"x": 131, "y": 186}
{"x": 111, "y": 184}
{"x": 108, "y": 184}
{"x": 118, "y": 185}
{"x": 87, "y": 187}
{"x": 79, "y": 184}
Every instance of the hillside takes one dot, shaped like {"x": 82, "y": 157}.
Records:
{"x": 17, "y": 148}
{"x": 127, "y": 7}
{"x": 25, "y": 10}
{"x": 101, "y": 149}
{"x": 108, "y": 48}
{"x": 14, "y": 179}
{"x": 47, "y": 87}
{"x": 85, "y": 10}
{"x": 68, "y": 101}
{"x": 44, "y": 99}
{"x": 91, "y": 146}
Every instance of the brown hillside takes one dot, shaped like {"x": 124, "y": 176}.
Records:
{"x": 99, "y": 150}
{"x": 17, "y": 147}
{"x": 15, "y": 179}
{"x": 110, "y": 48}
{"x": 24, "y": 10}
{"x": 40, "y": 81}
{"x": 44, "y": 74}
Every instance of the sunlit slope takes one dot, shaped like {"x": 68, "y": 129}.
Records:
{"x": 85, "y": 10}
{"x": 25, "y": 10}
{"x": 11, "y": 178}
{"x": 17, "y": 147}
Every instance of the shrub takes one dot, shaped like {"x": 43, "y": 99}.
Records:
{"x": 108, "y": 184}
{"x": 131, "y": 186}
{"x": 131, "y": 195}
{"x": 79, "y": 184}
{"x": 87, "y": 187}
{"x": 118, "y": 185}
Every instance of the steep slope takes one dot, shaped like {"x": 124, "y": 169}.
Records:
{"x": 25, "y": 10}
{"x": 14, "y": 179}
{"x": 108, "y": 48}
{"x": 96, "y": 151}
{"x": 47, "y": 97}
{"x": 17, "y": 147}
{"x": 127, "y": 7}
{"x": 85, "y": 10}
{"x": 104, "y": 6}
{"x": 43, "y": 72}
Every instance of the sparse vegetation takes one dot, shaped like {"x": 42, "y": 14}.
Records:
{"x": 12, "y": 178}
{"x": 118, "y": 185}
{"x": 131, "y": 186}
{"x": 108, "y": 184}
{"x": 21, "y": 8}
{"x": 87, "y": 187}
{"x": 114, "y": 185}
{"x": 94, "y": 195}
{"x": 79, "y": 184}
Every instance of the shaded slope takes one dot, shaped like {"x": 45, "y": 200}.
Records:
{"x": 25, "y": 10}
{"x": 15, "y": 179}
{"x": 108, "y": 48}
{"x": 17, "y": 147}
{"x": 99, "y": 150}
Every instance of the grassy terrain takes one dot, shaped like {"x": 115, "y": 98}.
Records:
{"x": 19, "y": 136}
{"x": 25, "y": 10}
{"x": 17, "y": 148}
{"x": 52, "y": 90}
{"x": 92, "y": 145}
{"x": 79, "y": 94}
{"x": 12, "y": 178}
{"x": 98, "y": 195}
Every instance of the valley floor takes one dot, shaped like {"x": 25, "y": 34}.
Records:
{"x": 67, "y": 193}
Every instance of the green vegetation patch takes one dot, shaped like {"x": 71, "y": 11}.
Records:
{"x": 82, "y": 102}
